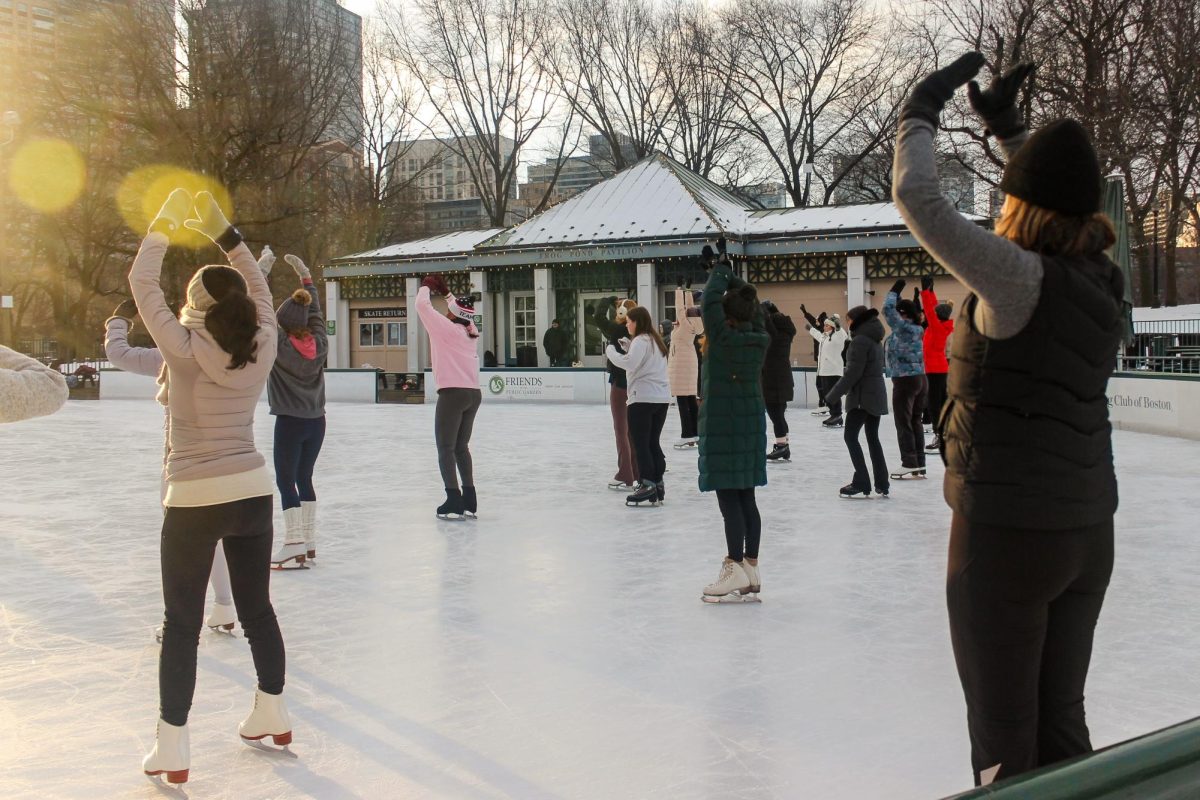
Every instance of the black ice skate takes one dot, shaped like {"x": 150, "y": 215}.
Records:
{"x": 781, "y": 452}
{"x": 909, "y": 474}
{"x": 470, "y": 502}
{"x": 852, "y": 492}
{"x": 834, "y": 422}
{"x": 662, "y": 492}
{"x": 935, "y": 445}
{"x": 646, "y": 493}
{"x": 453, "y": 507}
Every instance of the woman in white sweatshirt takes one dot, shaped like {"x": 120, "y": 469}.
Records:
{"x": 645, "y": 365}
{"x": 28, "y": 388}
{"x": 831, "y": 342}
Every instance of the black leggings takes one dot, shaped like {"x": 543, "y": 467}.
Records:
{"x": 189, "y": 537}
{"x": 453, "y": 421}
{"x": 856, "y": 420}
{"x": 937, "y": 398}
{"x": 824, "y": 384}
{"x": 646, "y": 421}
{"x": 689, "y": 416}
{"x": 908, "y": 403}
{"x": 297, "y": 444}
{"x": 777, "y": 412}
{"x": 743, "y": 525}
{"x": 1023, "y": 608}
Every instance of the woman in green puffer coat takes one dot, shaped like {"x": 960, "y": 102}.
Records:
{"x": 733, "y": 430}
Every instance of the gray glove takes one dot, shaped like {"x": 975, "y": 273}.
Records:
{"x": 298, "y": 265}
{"x": 266, "y": 261}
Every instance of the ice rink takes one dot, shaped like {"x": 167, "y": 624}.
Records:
{"x": 556, "y": 647}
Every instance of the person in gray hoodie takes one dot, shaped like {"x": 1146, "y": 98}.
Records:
{"x": 296, "y": 392}
{"x": 218, "y": 355}
{"x": 866, "y": 401}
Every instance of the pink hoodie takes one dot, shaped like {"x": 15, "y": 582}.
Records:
{"x": 454, "y": 354}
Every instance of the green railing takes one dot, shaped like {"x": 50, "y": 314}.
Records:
{"x": 1164, "y": 765}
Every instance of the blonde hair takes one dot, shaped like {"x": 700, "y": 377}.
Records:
{"x": 1053, "y": 233}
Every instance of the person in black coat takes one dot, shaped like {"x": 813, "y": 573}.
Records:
{"x": 866, "y": 401}
{"x": 557, "y": 343}
{"x": 778, "y": 385}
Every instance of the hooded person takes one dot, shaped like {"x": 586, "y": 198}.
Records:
{"x": 939, "y": 325}
{"x": 866, "y": 402}
{"x": 454, "y": 355}
{"x": 218, "y": 355}
{"x": 1025, "y": 432}
{"x": 296, "y": 393}
{"x": 610, "y": 317}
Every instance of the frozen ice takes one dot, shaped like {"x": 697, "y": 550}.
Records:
{"x": 555, "y": 648}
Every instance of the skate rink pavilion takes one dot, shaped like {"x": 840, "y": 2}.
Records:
{"x": 556, "y": 647}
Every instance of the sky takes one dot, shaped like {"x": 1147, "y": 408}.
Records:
{"x": 363, "y": 8}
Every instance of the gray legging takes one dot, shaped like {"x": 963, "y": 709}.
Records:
{"x": 452, "y": 423}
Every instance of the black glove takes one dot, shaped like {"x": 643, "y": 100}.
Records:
{"x": 687, "y": 284}
{"x": 917, "y": 296}
{"x": 721, "y": 245}
{"x": 927, "y": 284}
{"x": 898, "y": 287}
{"x": 127, "y": 310}
{"x": 803, "y": 310}
{"x": 932, "y": 92}
{"x": 610, "y": 301}
{"x": 997, "y": 104}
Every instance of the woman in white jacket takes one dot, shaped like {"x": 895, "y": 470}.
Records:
{"x": 645, "y": 365}
{"x": 831, "y": 342}
{"x": 28, "y": 388}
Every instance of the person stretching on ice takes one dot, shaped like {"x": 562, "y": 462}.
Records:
{"x": 649, "y": 397}
{"x": 733, "y": 427}
{"x": 831, "y": 343}
{"x": 455, "y": 356}
{"x": 1026, "y": 436}
{"x": 683, "y": 364}
{"x": 906, "y": 365}
{"x": 777, "y": 383}
{"x": 218, "y": 355}
{"x": 296, "y": 392}
{"x": 866, "y": 401}
{"x": 938, "y": 328}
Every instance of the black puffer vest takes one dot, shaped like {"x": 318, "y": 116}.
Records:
{"x": 1026, "y": 437}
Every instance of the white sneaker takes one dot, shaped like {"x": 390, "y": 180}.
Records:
{"x": 620, "y": 486}
{"x": 171, "y": 753}
{"x": 269, "y": 717}
{"x": 293, "y": 549}
{"x": 308, "y": 516}
{"x": 731, "y": 580}
{"x": 751, "y": 571}
{"x": 223, "y": 616}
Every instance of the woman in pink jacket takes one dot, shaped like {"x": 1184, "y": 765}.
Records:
{"x": 218, "y": 354}
{"x": 453, "y": 350}
{"x": 683, "y": 367}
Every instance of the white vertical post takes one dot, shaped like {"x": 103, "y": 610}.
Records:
{"x": 856, "y": 281}
{"x": 416, "y": 331}
{"x": 543, "y": 291}
{"x": 479, "y": 284}
{"x": 646, "y": 287}
{"x": 337, "y": 313}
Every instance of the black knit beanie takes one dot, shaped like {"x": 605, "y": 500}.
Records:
{"x": 1057, "y": 168}
{"x": 943, "y": 311}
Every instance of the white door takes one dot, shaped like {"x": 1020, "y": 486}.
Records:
{"x": 523, "y": 325}
{"x": 589, "y": 340}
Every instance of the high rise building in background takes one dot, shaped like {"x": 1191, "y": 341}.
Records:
{"x": 437, "y": 172}
{"x": 320, "y": 43}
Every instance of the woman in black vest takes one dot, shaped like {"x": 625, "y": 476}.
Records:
{"x": 1026, "y": 441}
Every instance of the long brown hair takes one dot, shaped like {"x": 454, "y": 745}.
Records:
{"x": 233, "y": 321}
{"x": 1053, "y": 233}
{"x": 642, "y": 324}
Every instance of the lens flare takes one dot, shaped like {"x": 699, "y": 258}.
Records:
{"x": 143, "y": 192}
{"x": 47, "y": 175}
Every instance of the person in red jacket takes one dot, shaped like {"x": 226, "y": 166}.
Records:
{"x": 939, "y": 326}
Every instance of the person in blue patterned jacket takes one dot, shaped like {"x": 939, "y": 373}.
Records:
{"x": 910, "y": 388}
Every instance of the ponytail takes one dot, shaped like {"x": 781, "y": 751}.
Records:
{"x": 233, "y": 319}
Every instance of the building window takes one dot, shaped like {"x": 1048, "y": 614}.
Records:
{"x": 370, "y": 334}
{"x": 397, "y": 334}
{"x": 669, "y": 305}
{"x": 524, "y": 327}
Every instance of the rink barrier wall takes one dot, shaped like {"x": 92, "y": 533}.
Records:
{"x": 1168, "y": 405}
{"x": 1164, "y": 765}
{"x": 341, "y": 386}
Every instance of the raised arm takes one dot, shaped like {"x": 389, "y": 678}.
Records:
{"x": 430, "y": 318}
{"x": 711, "y": 309}
{"x": 28, "y": 388}
{"x": 316, "y": 320}
{"x": 138, "y": 360}
{"x": 170, "y": 336}
{"x": 894, "y": 320}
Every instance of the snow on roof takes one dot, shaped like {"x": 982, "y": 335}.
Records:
{"x": 827, "y": 219}
{"x": 1167, "y": 313}
{"x": 442, "y": 245}
{"x": 656, "y": 197}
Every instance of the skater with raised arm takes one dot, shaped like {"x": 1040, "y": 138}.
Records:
{"x": 1026, "y": 435}
{"x": 218, "y": 355}
{"x": 610, "y": 318}
{"x": 453, "y": 351}
{"x": 778, "y": 386}
{"x": 296, "y": 393}
{"x": 683, "y": 365}
{"x": 649, "y": 396}
{"x": 733, "y": 428}
{"x": 938, "y": 328}
{"x": 866, "y": 402}
{"x": 906, "y": 366}
{"x": 831, "y": 342}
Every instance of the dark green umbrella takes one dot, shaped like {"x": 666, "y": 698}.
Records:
{"x": 1114, "y": 207}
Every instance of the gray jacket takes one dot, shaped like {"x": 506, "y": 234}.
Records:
{"x": 863, "y": 385}
{"x": 296, "y": 387}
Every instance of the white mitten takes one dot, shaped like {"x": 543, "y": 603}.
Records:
{"x": 174, "y": 212}
{"x": 210, "y": 219}
{"x": 266, "y": 261}
{"x": 298, "y": 265}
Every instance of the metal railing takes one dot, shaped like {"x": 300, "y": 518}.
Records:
{"x": 1166, "y": 346}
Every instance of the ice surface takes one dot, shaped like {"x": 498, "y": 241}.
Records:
{"x": 555, "y": 648}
